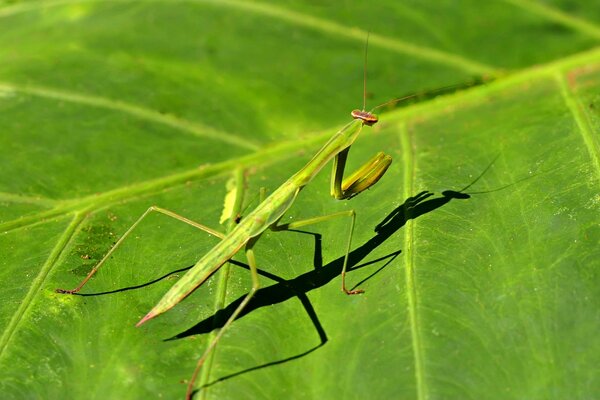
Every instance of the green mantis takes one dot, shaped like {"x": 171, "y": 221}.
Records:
{"x": 265, "y": 216}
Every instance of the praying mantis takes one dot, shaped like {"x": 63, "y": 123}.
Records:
{"x": 267, "y": 215}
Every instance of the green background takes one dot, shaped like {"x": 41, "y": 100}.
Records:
{"x": 109, "y": 107}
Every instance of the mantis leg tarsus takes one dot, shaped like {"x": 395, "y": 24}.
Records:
{"x": 131, "y": 228}
{"x": 255, "y": 285}
{"x": 355, "y": 291}
{"x": 347, "y": 291}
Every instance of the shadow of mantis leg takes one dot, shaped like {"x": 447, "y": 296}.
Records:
{"x": 136, "y": 223}
{"x": 314, "y": 220}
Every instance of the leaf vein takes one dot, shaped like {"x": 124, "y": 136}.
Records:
{"x": 553, "y": 14}
{"x": 172, "y": 121}
{"x": 38, "y": 281}
{"x": 96, "y": 201}
{"x": 582, "y": 122}
{"x": 410, "y": 273}
{"x": 22, "y": 199}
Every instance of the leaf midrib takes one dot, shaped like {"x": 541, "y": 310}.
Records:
{"x": 282, "y": 151}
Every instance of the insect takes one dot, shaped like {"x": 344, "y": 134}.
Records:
{"x": 267, "y": 215}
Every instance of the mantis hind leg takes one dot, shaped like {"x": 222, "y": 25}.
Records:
{"x": 255, "y": 282}
{"x": 314, "y": 220}
{"x": 255, "y": 285}
{"x": 131, "y": 228}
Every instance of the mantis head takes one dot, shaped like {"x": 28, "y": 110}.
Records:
{"x": 365, "y": 116}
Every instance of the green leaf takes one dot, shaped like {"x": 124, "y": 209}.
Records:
{"x": 478, "y": 250}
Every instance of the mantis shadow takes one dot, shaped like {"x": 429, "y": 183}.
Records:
{"x": 285, "y": 289}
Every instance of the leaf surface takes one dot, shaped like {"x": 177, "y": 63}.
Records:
{"x": 478, "y": 250}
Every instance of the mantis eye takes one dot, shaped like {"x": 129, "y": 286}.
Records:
{"x": 367, "y": 118}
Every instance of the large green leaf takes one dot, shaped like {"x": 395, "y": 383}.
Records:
{"x": 109, "y": 107}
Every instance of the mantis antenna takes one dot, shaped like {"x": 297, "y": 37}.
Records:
{"x": 367, "y": 117}
{"x": 365, "y": 73}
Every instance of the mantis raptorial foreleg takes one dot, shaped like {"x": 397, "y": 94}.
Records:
{"x": 131, "y": 228}
{"x": 363, "y": 178}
